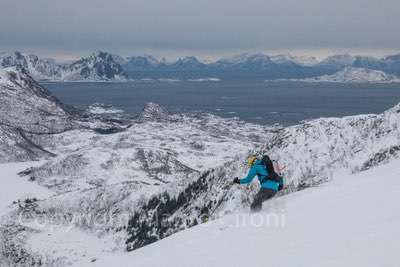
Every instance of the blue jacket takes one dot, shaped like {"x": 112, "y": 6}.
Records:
{"x": 260, "y": 170}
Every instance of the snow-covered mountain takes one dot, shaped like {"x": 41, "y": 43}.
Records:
{"x": 103, "y": 66}
{"x": 39, "y": 69}
{"x": 389, "y": 64}
{"x": 27, "y": 110}
{"x": 117, "y": 188}
{"x": 188, "y": 63}
{"x": 100, "y": 66}
{"x": 356, "y": 75}
{"x": 368, "y": 63}
{"x": 272, "y": 67}
{"x": 246, "y": 61}
{"x": 140, "y": 63}
{"x": 338, "y": 61}
{"x": 299, "y": 60}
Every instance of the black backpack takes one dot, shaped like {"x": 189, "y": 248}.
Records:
{"x": 272, "y": 175}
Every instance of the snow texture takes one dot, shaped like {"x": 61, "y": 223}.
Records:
{"x": 351, "y": 221}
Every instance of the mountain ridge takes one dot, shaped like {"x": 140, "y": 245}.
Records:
{"x": 103, "y": 66}
{"x": 354, "y": 75}
{"x": 99, "y": 66}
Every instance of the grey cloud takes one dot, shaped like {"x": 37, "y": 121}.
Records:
{"x": 199, "y": 24}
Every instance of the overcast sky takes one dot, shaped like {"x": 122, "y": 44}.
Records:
{"x": 199, "y": 27}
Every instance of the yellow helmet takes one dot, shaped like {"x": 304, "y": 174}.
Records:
{"x": 251, "y": 160}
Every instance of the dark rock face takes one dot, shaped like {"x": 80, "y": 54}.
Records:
{"x": 381, "y": 157}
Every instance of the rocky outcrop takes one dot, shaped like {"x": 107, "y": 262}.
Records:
{"x": 156, "y": 113}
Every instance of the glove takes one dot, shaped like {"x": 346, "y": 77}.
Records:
{"x": 236, "y": 180}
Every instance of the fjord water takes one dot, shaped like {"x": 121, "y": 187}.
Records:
{"x": 253, "y": 101}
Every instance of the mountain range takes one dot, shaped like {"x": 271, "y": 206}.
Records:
{"x": 103, "y": 66}
{"x": 99, "y": 66}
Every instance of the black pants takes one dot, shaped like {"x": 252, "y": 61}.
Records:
{"x": 260, "y": 197}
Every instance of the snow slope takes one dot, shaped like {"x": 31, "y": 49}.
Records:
{"x": 14, "y": 188}
{"x": 27, "y": 108}
{"x": 28, "y": 105}
{"x": 351, "y": 221}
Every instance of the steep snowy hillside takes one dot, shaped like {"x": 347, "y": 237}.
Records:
{"x": 352, "y": 221}
{"x": 105, "y": 172}
{"x": 119, "y": 188}
{"x": 114, "y": 175}
{"x": 147, "y": 185}
{"x": 355, "y": 75}
{"x": 27, "y": 108}
{"x": 310, "y": 152}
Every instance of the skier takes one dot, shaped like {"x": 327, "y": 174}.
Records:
{"x": 270, "y": 181}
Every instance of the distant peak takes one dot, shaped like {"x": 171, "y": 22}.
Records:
{"x": 101, "y": 54}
